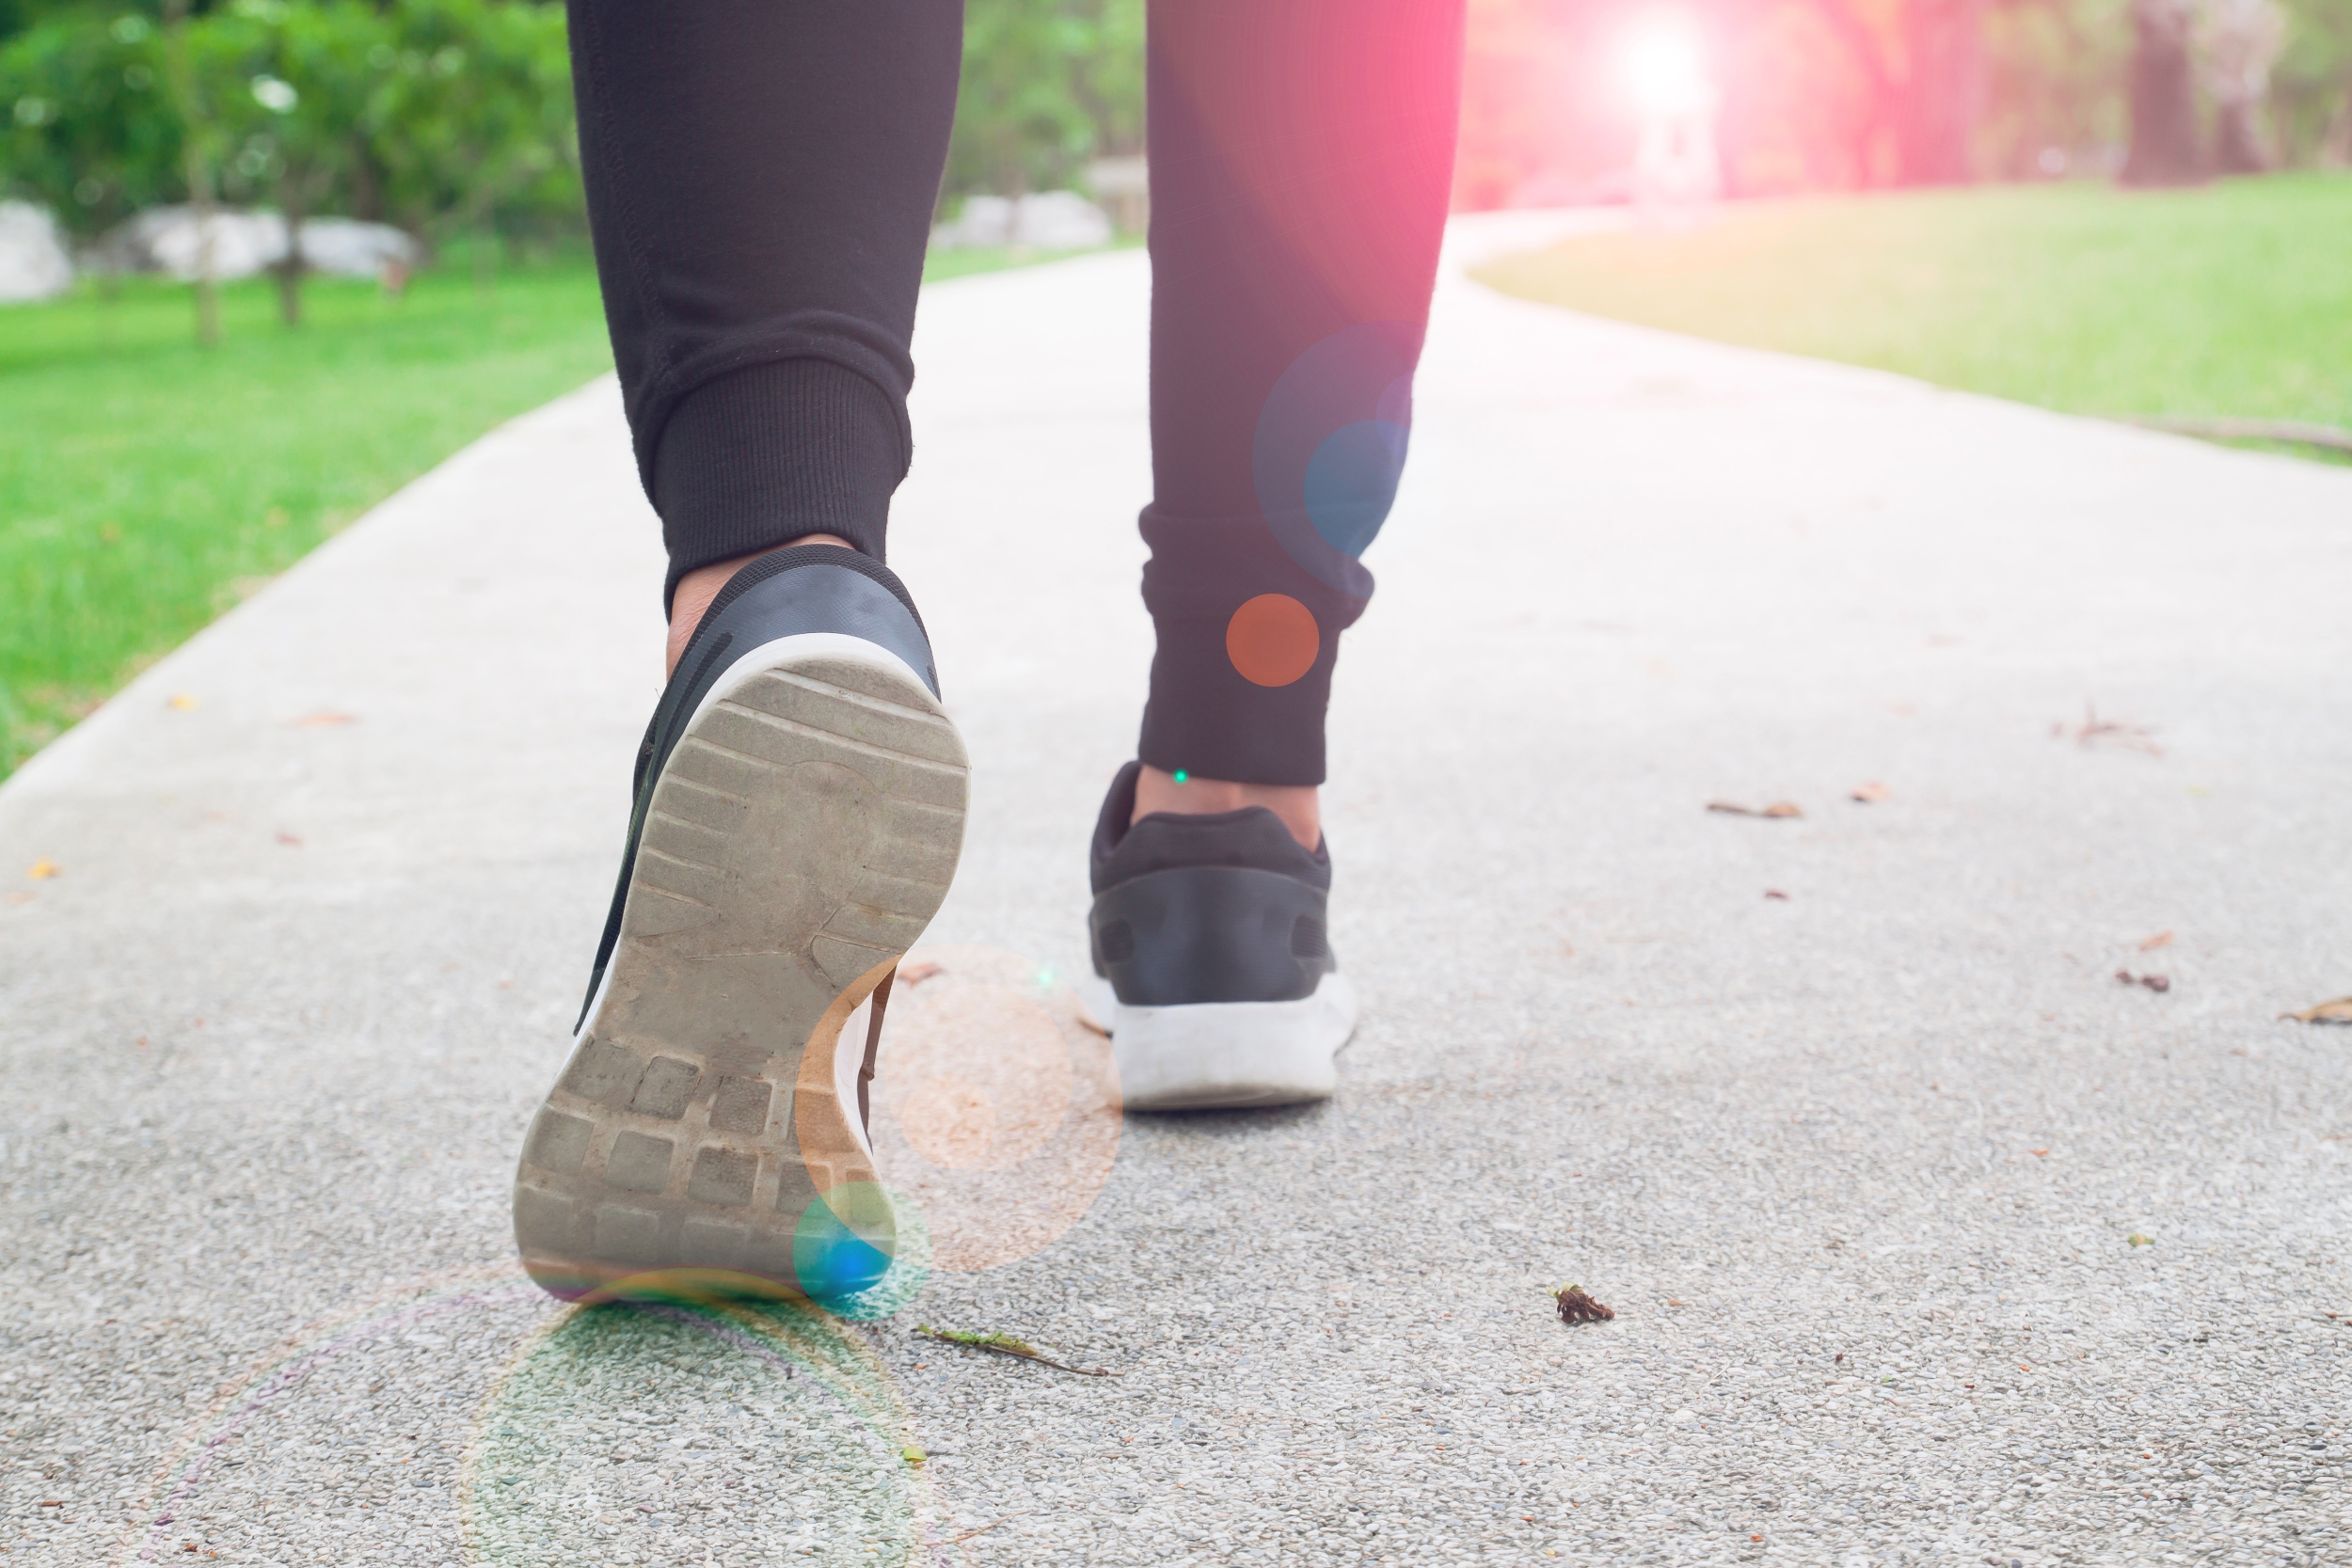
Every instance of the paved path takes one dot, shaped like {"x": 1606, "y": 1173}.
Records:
{"x": 1856, "y": 1166}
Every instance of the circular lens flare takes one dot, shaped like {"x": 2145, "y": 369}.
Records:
{"x": 996, "y": 1108}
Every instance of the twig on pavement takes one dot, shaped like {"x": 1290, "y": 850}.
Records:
{"x": 1005, "y": 1344}
{"x": 2299, "y": 431}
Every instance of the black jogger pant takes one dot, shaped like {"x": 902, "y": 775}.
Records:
{"x": 761, "y": 177}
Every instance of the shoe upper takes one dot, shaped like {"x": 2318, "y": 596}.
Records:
{"x": 786, "y": 592}
{"x": 1225, "y": 907}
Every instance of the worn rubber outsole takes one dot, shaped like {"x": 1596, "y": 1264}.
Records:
{"x": 1226, "y": 1056}
{"x": 706, "y": 1135}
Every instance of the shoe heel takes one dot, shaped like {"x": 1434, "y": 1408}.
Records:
{"x": 709, "y": 1126}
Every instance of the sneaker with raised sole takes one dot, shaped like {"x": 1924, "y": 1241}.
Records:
{"x": 800, "y": 803}
{"x": 1213, "y": 964}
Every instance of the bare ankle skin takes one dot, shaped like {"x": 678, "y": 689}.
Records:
{"x": 1299, "y": 806}
{"x": 697, "y": 588}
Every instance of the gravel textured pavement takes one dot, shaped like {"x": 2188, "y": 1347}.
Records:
{"x": 1929, "y": 1239}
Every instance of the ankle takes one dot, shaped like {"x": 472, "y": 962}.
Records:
{"x": 697, "y": 588}
{"x": 1299, "y": 806}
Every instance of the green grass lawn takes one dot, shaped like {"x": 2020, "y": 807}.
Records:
{"x": 2235, "y": 300}
{"x": 147, "y": 484}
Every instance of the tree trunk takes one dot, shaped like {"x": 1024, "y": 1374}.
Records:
{"x": 2162, "y": 97}
{"x": 1935, "y": 126}
{"x": 2335, "y": 146}
{"x": 197, "y": 170}
{"x": 2240, "y": 43}
{"x": 110, "y": 303}
{"x": 289, "y": 268}
{"x": 1878, "y": 85}
{"x": 2239, "y": 146}
{"x": 366, "y": 184}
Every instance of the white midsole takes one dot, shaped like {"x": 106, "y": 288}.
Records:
{"x": 1225, "y": 1053}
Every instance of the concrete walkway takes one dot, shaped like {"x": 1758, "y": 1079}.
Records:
{"x": 1847, "y": 1117}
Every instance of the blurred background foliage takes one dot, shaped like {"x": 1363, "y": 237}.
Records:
{"x": 1829, "y": 95}
{"x": 452, "y": 115}
{"x": 434, "y": 115}
{"x": 1047, "y": 87}
{"x": 148, "y": 480}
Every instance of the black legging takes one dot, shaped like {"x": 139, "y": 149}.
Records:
{"x": 762, "y": 176}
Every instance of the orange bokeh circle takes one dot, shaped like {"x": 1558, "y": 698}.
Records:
{"x": 995, "y": 1106}
{"x": 1272, "y": 640}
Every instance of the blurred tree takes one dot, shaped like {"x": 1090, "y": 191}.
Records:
{"x": 2237, "y": 43}
{"x": 1942, "y": 100}
{"x": 2054, "y": 103}
{"x": 1843, "y": 93}
{"x": 89, "y": 130}
{"x": 2164, "y": 149}
{"x": 1814, "y": 93}
{"x": 199, "y": 157}
{"x": 439, "y": 115}
{"x": 1804, "y": 102}
{"x": 1919, "y": 65}
{"x": 290, "y": 90}
{"x": 18, "y": 16}
{"x": 1047, "y": 86}
{"x": 474, "y": 118}
{"x": 2312, "y": 87}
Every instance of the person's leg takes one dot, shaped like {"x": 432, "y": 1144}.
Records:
{"x": 1301, "y": 155}
{"x": 762, "y": 176}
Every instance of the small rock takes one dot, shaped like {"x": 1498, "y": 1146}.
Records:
{"x": 1046, "y": 220}
{"x": 33, "y": 259}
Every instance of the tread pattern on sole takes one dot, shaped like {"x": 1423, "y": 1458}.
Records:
{"x": 800, "y": 838}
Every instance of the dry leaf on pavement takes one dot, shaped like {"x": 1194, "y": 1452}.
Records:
{"x": 324, "y": 719}
{"x": 1778, "y": 808}
{"x": 2162, "y": 939}
{"x": 2338, "y": 1011}
{"x": 2095, "y": 731}
{"x": 1577, "y": 1307}
{"x": 1872, "y": 791}
{"x": 42, "y": 870}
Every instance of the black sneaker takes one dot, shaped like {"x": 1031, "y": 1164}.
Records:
{"x": 799, "y": 808}
{"x": 1214, "y": 971}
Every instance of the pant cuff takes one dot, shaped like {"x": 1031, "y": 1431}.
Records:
{"x": 763, "y": 455}
{"x": 1248, "y": 638}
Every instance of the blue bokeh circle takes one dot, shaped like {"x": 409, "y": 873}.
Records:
{"x": 1330, "y": 445}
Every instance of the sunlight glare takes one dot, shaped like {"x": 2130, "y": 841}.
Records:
{"x": 1665, "y": 66}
